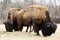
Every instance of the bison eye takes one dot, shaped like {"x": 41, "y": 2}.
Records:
{"x": 48, "y": 25}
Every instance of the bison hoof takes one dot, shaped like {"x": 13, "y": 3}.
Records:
{"x": 30, "y": 31}
{"x": 16, "y": 30}
{"x": 45, "y": 35}
{"x": 37, "y": 34}
{"x": 26, "y": 31}
{"x": 20, "y": 30}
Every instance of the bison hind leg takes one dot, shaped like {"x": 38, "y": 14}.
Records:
{"x": 15, "y": 27}
{"x": 21, "y": 28}
{"x": 27, "y": 28}
{"x": 38, "y": 33}
{"x": 30, "y": 29}
{"x": 9, "y": 30}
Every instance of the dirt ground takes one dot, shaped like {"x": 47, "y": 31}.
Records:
{"x": 27, "y": 36}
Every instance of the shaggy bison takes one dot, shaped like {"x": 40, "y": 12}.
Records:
{"x": 12, "y": 18}
{"x": 39, "y": 26}
{"x": 47, "y": 26}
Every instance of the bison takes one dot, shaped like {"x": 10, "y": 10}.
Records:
{"x": 12, "y": 18}
{"x": 46, "y": 26}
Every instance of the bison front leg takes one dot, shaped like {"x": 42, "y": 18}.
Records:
{"x": 27, "y": 28}
{"x": 20, "y": 27}
{"x": 15, "y": 27}
{"x": 36, "y": 30}
{"x": 38, "y": 33}
{"x": 19, "y": 22}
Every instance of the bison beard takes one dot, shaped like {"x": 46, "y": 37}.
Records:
{"x": 11, "y": 26}
{"x": 49, "y": 29}
{"x": 8, "y": 26}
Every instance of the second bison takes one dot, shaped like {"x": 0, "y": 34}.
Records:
{"x": 12, "y": 18}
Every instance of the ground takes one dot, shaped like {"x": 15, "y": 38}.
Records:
{"x": 27, "y": 36}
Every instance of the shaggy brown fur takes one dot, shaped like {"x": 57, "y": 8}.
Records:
{"x": 12, "y": 12}
{"x": 40, "y": 7}
{"x": 12, "y": 17}
{"x": 29, "y": 16}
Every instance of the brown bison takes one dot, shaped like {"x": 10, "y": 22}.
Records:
{"x": 12, "y": 18}
{"x": 44, "y": 25}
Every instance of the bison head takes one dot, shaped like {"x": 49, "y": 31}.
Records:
{"x": 49, "y": 29}
{"x": 8, "y": 26}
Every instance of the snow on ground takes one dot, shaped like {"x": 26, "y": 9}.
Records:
{"x": 27, "y": 36}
